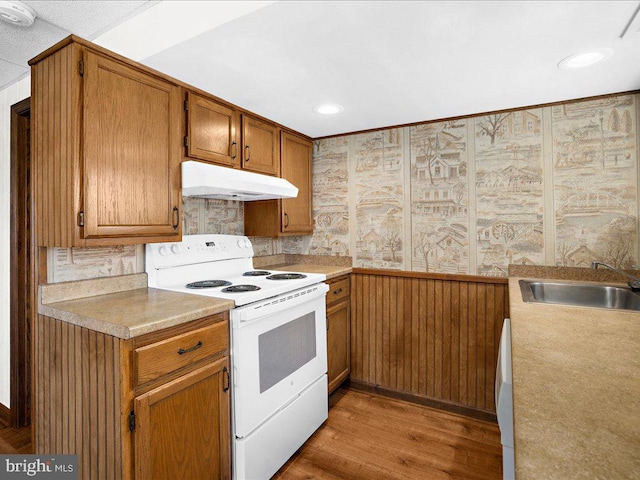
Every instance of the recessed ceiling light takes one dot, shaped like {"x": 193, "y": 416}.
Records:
{"x": 328, "y": 109}
{"x": 586, "y": 59}
{"x": 17, "y": 13}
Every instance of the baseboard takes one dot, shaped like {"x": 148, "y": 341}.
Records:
{"x": 427, "y": 402}
{"x": 5, "y": 415}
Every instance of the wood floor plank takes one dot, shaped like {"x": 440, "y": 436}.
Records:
{"x": 15, "y": 440}
{"x": 369, "y": 437}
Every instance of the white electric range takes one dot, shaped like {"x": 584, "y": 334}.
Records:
{"x": 278, "y": 343}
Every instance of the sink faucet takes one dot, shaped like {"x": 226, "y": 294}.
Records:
{"x": 634, "y": 283}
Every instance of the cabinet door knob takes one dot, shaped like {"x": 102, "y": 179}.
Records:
{"x": 286, "y": 218}
{"x": 247, "y": 151}
{"x": 176, "y": 218}
{"x": 234, "y": 148}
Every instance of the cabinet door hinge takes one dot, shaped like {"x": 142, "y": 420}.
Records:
{"x": 81, "y": 219}
{"x": 186, "y": 105}
{"x": 186, "y": 141}
{"x": 132, "y": 421}
{"x": 81, "y": 68}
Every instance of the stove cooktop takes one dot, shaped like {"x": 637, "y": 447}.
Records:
{"x": 219, "y": 266}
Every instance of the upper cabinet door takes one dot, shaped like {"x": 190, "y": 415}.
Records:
{"x": 131, "y": 139}
{"x": 211, "y": 131}
{"x": 296, "y": 157}
{"x": 260, "y": 146}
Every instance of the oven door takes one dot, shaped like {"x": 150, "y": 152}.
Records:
{"x": 278, "y": 349}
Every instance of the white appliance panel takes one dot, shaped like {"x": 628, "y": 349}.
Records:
{"x": 261, "y": 454}
{"x": 504, "y": 401}
{"x": 274, "y": 358}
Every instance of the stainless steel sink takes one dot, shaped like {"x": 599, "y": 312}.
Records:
{"x": 580, "y": 294}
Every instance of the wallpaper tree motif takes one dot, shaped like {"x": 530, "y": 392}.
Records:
{"x": 331, "y": 197}
{"x": 595, "y": 182}
{"x": 509, "y": 190}
{"x": 379, "y": 199}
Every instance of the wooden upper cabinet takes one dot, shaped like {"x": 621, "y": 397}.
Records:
{"x": 296, "y": 155}
{"x": 106, "y": 137}
{"x": 131, "y": 133}
{"x": 212, "y": 130}
{"x": 291, "y": 216}
{"x": 260, "y": 146}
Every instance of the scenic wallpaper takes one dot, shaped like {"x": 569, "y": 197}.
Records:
{"x": 556, "y": 185}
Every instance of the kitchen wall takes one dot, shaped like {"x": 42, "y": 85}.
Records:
{"x": 556, "y": 185}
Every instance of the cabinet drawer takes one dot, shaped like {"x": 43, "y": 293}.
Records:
{"x": 339, "y": 290}
{"x": 163, "y": 357}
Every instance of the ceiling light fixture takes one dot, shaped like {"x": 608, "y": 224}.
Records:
{"x": 328, "y": 109}
{"x": 17, "y": 13}
{"x": 585, "y": 59}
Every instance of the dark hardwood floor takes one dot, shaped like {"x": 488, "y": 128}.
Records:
{"x": 15, "y": 440}
{"x": 372, "y": 437}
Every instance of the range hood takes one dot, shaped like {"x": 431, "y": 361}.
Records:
{"x": 211, "y": 181}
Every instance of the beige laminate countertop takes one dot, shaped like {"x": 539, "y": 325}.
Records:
{"x": 331, "y": 271}
{"x": 576, "y": 390}
{"x": 127, "y": 313}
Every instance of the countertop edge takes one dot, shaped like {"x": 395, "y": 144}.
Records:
{"x": 64, "y": 311}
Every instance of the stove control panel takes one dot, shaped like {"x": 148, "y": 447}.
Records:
{"x": 197, "y": 249}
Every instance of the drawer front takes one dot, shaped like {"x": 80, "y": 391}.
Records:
{"x": 339, "y": 290}
{"x": 163, "y": 357}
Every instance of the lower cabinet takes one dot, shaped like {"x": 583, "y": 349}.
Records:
{"x": 182, "y": 427}
{"x": 338, "y": 331}
{"x": 153, "y": 407}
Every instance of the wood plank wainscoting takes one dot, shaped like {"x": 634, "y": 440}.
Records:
{"x": 429, "y": 338}
{"x": 78, "y": 374}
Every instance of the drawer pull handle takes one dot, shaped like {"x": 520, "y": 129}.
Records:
{"x": 336, "y": 292}
{"x": 182, "y": 351}
{"x": 225, "y": 372}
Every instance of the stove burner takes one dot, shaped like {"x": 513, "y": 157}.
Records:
{"x": 286, "y": 276}
{"x": 256, "y": 273}
{"x": 240, "y": 288}
{"x": 208, "y": 284}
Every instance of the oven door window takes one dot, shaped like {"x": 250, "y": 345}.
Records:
{"x": 285, "y": 349}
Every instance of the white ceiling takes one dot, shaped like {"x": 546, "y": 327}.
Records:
{"x": 386, "y": 62}
{"x": 55, "y": 20}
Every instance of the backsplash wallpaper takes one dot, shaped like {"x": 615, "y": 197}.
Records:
{"x": 556, "y": 185}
